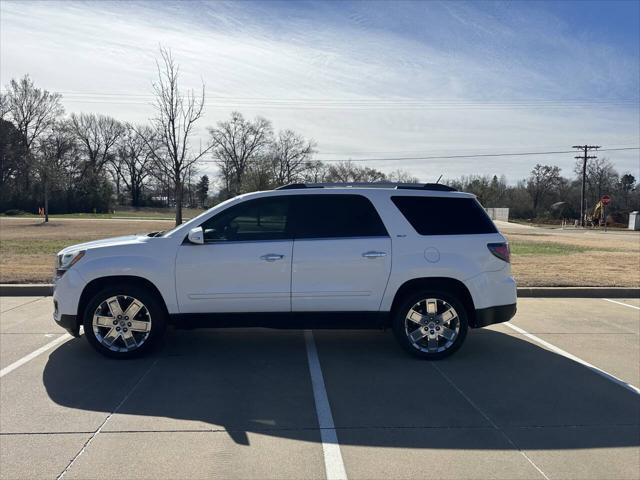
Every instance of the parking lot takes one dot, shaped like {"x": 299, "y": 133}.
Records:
{"x": 520, "y": 400}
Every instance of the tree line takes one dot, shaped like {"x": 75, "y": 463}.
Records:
{"x": 89, "y": 162}
{"x": 547, "y": 194}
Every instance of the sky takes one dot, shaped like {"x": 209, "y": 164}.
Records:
{"x": 365, "y": 80}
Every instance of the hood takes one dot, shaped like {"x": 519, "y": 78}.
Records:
{"x": 107, "y": 242}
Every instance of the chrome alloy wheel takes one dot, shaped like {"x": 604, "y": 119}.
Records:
{"x": 432, "y": 325}
{"x": 121, "y": 323}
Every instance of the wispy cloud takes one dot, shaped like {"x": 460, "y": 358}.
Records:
{"x": 358, "y": 77}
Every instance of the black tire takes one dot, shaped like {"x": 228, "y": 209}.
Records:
{"x": 153, "y": 310}
{"x": 400, "y": 329}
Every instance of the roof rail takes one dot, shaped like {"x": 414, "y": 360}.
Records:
{"x": 440, "y": 187}
{"x": 295, "y": 186}
{"x": 400, "y": 186}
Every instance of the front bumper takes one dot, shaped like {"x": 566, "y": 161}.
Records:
{"x": 69, "y": 323}
{"x": 66, "y": 296}
{"x": 491, "y": 315}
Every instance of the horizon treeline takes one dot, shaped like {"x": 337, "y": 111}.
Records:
{"x": 89, "y": 162}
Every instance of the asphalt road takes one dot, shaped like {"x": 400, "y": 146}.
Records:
{"x": 552, "y": 396}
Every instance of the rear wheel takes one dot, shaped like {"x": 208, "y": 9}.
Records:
{"x": 430, "y": 324}
{"x": 124, "y": 321}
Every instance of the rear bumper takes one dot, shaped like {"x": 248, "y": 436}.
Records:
{"x": 492, "y": 288}
{"x": 491, "y": 315}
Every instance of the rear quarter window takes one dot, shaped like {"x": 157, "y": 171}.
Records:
{"x": 445, "y": 215}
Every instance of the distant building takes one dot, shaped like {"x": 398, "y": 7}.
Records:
{"x": 501, "y": 214}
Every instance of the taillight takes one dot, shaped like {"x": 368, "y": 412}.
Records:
{"x": 500, "y": 250}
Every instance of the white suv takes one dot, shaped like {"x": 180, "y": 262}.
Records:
{"x": 423, "y": 259}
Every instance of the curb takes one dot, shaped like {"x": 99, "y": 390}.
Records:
{"x": 45, "y": 290}
{"x": 26, "y": 290}
{"x": 578, "y": 292}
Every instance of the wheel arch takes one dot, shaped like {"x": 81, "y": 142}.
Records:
{"x": 94, "y": 286}
{"x": 449, "y": 285}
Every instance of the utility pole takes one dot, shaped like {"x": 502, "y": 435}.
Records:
{"x": 584, "y": 157}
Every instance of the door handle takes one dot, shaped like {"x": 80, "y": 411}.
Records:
{"x": 373, "y": 254}
{"x": 272, "y": 257}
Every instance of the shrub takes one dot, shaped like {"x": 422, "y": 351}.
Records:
{"x": 12, "y": 212}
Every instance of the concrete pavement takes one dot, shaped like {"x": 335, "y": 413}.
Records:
{"x": 239, "y": 403}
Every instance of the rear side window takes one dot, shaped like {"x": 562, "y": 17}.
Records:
{"x": 335, "y": 216}
{"x": 445, "y": 215}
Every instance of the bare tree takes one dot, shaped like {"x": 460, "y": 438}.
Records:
{"x": 349, "y": 172}
{"x": 542, "y": 180}
{"x": 236, "y": 143}
{"x": 33, "y": 112}
{"x": 315, "y": 171}
{"x": 98, "y": 136}
{"x": 4, "y": 105}
{"x": 192, "y": 171}
{"x": 54, "y": 157}
{"x": 489, "y": 190}
{"x": 601, "y": 177}
{"x": 226, "y": 176}
{"x": 173, "y": 125}
{"x": 116, "y": 169}
{"x": 291, "y": 154}
{"x": 134, "y": 159}
{"x": 402, "y": 176}
{"x": 259, "y": 175}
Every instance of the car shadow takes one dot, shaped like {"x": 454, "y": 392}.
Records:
{"x": 257, "y": 380}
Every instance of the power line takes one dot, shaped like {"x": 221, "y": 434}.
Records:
{"x": 418, "y": 152}
{"x": 430, "y": 100}
{"x": 445, "y": 157}
{"x": 361, "y": 103}
{"x": 375, "y": 106}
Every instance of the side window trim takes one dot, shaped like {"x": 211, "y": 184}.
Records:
{"x": 228, "y": 242}
{"x": 292, "y": 225}
{"x": 357, "y": 237}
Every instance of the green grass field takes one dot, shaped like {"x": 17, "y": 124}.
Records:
{"x": 520, "y": 247}
{"x": 550, "y": 248}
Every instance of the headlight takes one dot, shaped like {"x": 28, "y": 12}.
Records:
{"x": 67, "y": 260}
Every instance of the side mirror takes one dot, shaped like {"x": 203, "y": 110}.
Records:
{"x": 196, "y": 235}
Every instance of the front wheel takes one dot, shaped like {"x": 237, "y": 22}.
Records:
{"x": 430, "y": 324}
{"x": 124, "y": 322}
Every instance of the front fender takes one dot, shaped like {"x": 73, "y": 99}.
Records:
{"x": 158, "y": 270}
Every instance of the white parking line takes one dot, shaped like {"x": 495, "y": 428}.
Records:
{"x": 333, "y": 464}
{"x": 621, "y": 303}
{"x": 34, "y": 354}
{"x": 566, "y": 354}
